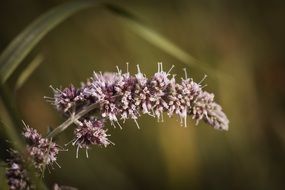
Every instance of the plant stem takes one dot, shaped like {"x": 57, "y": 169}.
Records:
{"x": 71, "y": 120}
{"x": 12, "y": 132}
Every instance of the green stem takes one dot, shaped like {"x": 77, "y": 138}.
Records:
{"x": 11, "y": 131}
{"x": 71, "y": 120}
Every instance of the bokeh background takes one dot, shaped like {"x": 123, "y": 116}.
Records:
{"x": 242, "y": 39}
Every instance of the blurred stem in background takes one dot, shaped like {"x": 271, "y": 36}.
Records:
{"x": 13, "y": 131}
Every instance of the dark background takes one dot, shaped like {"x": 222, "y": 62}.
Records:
{"x": 242, "y": 39}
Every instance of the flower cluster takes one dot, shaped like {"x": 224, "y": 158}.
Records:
{"x": 90, "y": 132}
{"x": 42, "y": 150}
{"x": 66, "y": 99}
{"x": 16, "y": 173}
{"x": 205, "y": 108}
{"x": 121, "y": 96}
{"x": 115, "y": 97}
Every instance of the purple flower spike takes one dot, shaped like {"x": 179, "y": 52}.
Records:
{"x": 31, "y": 135}
{"x": 67, "y": 99}
{"x": 42, "y": 150}
{"x": 120, "y": 96}
{"x": 205, "y": 108}
{"x": 91, "y": 132}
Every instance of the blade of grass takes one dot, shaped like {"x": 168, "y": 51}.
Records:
{"x": 12, "y": 131}
{"x": 20, "y": 47}
{"x": 26, "y": 73}
{"x": 150, "y": 35}
{"x": 158, "y": 40}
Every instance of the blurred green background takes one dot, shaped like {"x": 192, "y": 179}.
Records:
{"x": 242, "y": 39}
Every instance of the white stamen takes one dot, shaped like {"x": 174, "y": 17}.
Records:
{"x": 205, "y": 76}
{"x": 75, "y": 141}
{"x": 48, "y": 98}
{"x": 161, "y": 68}
{"x": 204, "y": 86}
{"x": 111, "y": 141}
{"x": 119, "y": 71}
{"x": 26, "y": 126}
{"x": 138, "y": 67}
{"x": 127, "y": 67}
{"x": 119, "y": 124}
{"x": 69, "y": 142}
{"x": 77, "y": 151}
{"x": 185, "y": 71}
{"x": 137, "y": 123}
{"x": 52, "y": 88}
{"x": 57, "y": 164}
{"x": 86, "y": 152}
{"x": 170, "y": 69}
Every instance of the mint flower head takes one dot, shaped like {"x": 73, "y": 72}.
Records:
{"x": 42, "y": 151}
{"x": 90, "y": 132}
{"x": 205, "y": 108}
{"x": 65, "y": 99}
{"x": 118, "y": 96}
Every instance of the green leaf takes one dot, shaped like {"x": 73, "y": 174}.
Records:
{"x": 22, "y": 45}
{"x": 151, "y": 36}
{"x": 27, "y": 72}
{"x": 158, "y": 40}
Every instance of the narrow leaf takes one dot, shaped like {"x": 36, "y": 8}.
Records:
{"x": 27, "y": 72}
{"x": 158, "y": 40}
{"x": 20, "y": 47}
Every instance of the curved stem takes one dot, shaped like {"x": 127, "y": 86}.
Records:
{"x": 11, "y": 131}
{"x": 71, "y": 120}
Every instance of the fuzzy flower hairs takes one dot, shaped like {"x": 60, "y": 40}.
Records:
{"x": 118, "y": 96}
{"x": 40, "y": 152}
